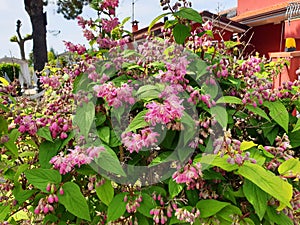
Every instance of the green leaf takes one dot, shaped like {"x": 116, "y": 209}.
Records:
{"x": 220, "y": 114}
{"x": 105, "y": 192}
{"x": 138, "y": 122}
{"x": 258, "y": 111}
{"x": 3, "y": 125}
{"x": 74, "y": 201}
{"x": 190, "y": 14}
{"x": 278, "y": 218}
{"x": 117, "y": 207}
{"x": 22, "y": 195}
{"x": 20, "y": 170}
{"x": 268, "y": 182}
{"x": 271, "y": 133}
{"x": 215, "y": 160}
{"x": 156, "y": 20}
{"x": 100, "y": 118}
{"x": 10, "y": 145}
{"x": 210, "y": 207}
{"x": 40, "y": 178}
{"x": 229, "y": 100}
{"x": 174, "y": 188}
{"x": 290, "y": 167}
{"x": 146, "y": 205}
{"x": 47, "y": 151}
{"x": 257, "y": 197}
{"x": 44, "y": 132}
{"x": 109, "y": 161}
{"x": 245, "y": 145}
{"x": 104, "y": 134}
{"x": 4, "y": 211}
{"x": 181, "y": 32}
{"x": 297, "y": 126}
{"x": 227, "y": 213}
{"x": 279, "y": 114}
{"x": 84, "y": 118}
{"x": 295, "y": 139}
{"x": 148, "y": 92}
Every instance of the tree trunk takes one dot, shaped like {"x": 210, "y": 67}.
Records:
{"x": 34, "y": 9}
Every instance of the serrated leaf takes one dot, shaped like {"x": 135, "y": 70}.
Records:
{"x": 268, "y": 182}
{"x": 109, "y": 161}
{"x": 138, "y": 122}
{"x": 117, "y": 207}
{"x": 297, "y": 126}
{"x": 104, "y": 134}
{"x": 156, "y": 20}
{"x": 258, "y": 111}
{"x": 257, "y": 197}
{"x": 47, "y": 151}
{"x": 220, "y": 114}
{"x": 190, "y": 14}
{"x": 278, "y": 218}
{"x": 10, "y": 145}
{"x": 74, "y": 201}
{"x": 181, "y": 32}
{"x": 229, "y": 100}
{"x": 105, "y": 192}
{"x": 84, "y": 118}
{"x": 40, "y": 178}
{"x": 174, "y": 188}
{"x": 278, "y": 113}
{"x": 44, "y": 132}
{"x": 245, "y": 145}
{"x": 290, "y": 167}
{"x": 146, "y": 205}
{"x": 210, "y": 207}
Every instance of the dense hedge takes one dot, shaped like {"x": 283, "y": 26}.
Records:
{"x": 10, "y": 69}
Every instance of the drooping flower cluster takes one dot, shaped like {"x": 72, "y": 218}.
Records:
{"x": 185, "y": 215}
{"x": 136, "y": 142}
{"x": 280, "y": 152}
{"x": 170, "y": 110}
{"x": 226, "y": 145}
{"x": 189, "y": 174}
{"x": 26, "y": 124}
{"x": 76, "y": 157}
{"x": 115, "y": 96}
{"x": 132, "y": 203}
{"x": 109, "y": 24}
{"x": 52, "y": 81}
{"x": 80, "y": 49}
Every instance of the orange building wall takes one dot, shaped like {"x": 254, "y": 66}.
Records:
{"x": 249, "y": 5}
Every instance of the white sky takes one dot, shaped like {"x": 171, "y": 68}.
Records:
{"x": 145, "y": 11}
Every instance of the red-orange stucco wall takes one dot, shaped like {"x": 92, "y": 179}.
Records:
{"x": 266, "y": 38}
{"x": 249, "y": 5}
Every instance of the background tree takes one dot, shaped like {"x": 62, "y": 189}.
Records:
{"x": 35, "y": 9}
{"x": 20, "y": 40}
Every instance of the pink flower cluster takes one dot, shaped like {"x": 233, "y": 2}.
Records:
{"x": 133, "y": 202}
{"x": 135, "y": 142}
{"x": 165, "y": 112}
{"x": 109, "y": 24}
{"x": 60, "y": 127}
{"x": 183, "y": 214}
{"x": 115, "y": 96}
{"x": 77, "y": 157}
{"x": 52, "y": 81}
{"x": 107, "y": 4}
{"x": 188, "y": 174}
{"x": 26, "y": 124}
{"x": 80, "y": 49}
{"x": 176, "y": 71}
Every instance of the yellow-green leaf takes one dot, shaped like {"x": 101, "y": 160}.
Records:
{"x": 245, "y": 145}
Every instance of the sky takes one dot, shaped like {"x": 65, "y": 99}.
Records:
{"x": 60, "y": 29}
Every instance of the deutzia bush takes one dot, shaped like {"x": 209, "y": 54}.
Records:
{"x": 179, "y": 130}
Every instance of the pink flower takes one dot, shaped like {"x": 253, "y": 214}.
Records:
{"x": 165, "y": 112}
{"x": 135, "y": 142}
{"x": 109, "y": 25}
